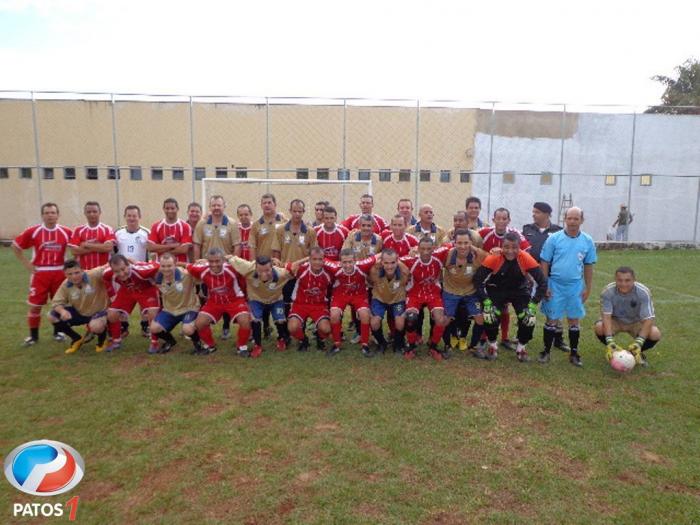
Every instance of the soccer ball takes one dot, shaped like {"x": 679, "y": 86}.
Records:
{"x": 622, "y": 361}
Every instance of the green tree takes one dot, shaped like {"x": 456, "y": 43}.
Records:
{"x": 681, "y": 91}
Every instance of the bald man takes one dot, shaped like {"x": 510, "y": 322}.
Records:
{"x": 426, "y": 226}
{"x": 567, "y": 260}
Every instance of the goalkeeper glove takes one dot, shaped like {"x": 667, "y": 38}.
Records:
{"x": 529, "y": 315}
{"x": 636, "y": 349}
{"x": 490, "y": 313}
{"x": 611, "y": 346}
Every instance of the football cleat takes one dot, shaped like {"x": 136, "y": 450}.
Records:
{"x": 267, "y": 331}
{"x": 59, "y": 337}
{"x": 75, "y": 345}
{"x": 113, "y": 346}
{"x": 166, "y": 347}
{"x": 561, "y": 345}
{"x": 434, "y": 353}
{"x": 29, "y": 341}
{"x": 243, "y": 352}
{"x": 454, "y": 341}
{"x": 381, "y": 348}
{"x": 409, "y": 353}
{"x": 256, "y": 352}
{"x": 509, "y": 345}
{"x": 100, "y": 347}
{"x": 281, "y": 344}
{"x": 544, "y": 357}
{"x": 366, "y": 351}
{"x": 492, "y": 352}
{"x": 303, "y": 345}
{"x": 478, "y": 352}
{"x": 462, "y": 344}
{"x": 575, "y": 359}
{"x": 522, "y": 356}
{"x": 153, "y": 348}
{"x": 333, "y": 351}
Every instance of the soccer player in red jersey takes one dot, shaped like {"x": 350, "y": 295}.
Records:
{"x": 310, "y": 298}
{"x": 92, "y": 243}
{"x": 170, "y": 234}
{"x": 331, "y": 236}
{"x": 493, "y": 240}
{"x": 366, "y": 206}
{"x": 48, "y": 241}
{"x": 397, "y": 239}
{"x": 424, "y": 290}
{"x": 350, "y": 289}
{"x": 245, "y": 217}
{"x": 133, "y": 283}
{"x": 224, "y": 295}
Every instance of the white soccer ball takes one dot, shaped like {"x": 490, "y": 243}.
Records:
{"x": 622, "y": 361}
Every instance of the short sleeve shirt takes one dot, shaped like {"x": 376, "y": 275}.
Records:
{"x": 567, "y": 255}
{"x": 628, "y": 308}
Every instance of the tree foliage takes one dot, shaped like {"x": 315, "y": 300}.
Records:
{"x": 681, "y": 91}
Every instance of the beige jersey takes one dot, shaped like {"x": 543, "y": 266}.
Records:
{"x": 88, "y": 298}
{"x": 436, "y": 233}
{"x": 264, "y": 292}
{"x": 361, "y": 248}
{"x": 457, "y": 275}
{"x": 224, "y": 236}
{"x": 293, "y": 245}
{"x": 386, "y": 290}
{"x": 262, "y": 235}
{"x": 473, "y": 235}
{"x": 179, "y": 295}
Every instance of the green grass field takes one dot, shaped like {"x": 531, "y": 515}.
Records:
{"x": 299, "y": 438}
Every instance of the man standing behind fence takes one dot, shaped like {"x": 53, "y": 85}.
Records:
{"x": 624, "y": 219}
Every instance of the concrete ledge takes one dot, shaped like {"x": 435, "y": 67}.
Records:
{"x": 648, "y": 245}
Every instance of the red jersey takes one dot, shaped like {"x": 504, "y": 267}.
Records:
{"x": 99, "y": 234}
{"x": 493, "y": 240}
{"x": 178, "y": 232}
{"x": 311, "y": 288}
{"x": 245, "y": 235}
{"x": 331, "y": 241}
{"x": 222, "y": 288}
{"x": 402, "y": 246}
{"x": 141, "y": 278}
{"x": 354, "y": 283}
{"x": 425, "y": 277}
{"x": 49, "y": 245}
{"x": 353, "y": 223}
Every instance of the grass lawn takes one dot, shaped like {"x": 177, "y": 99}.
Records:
{"x": 299, "y": 438}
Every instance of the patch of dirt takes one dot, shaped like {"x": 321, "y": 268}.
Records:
{"x": 157, "y": 481}
{"x": 213, "y": 409}
{"x": 97, "y": 490}
{"x": 285, "y": 507}
{"x": 130, "y": 362}
{"x": 569, "y": 467}
{"x": 141, "y": 434}
{"x": 367, "y": 510}
{"x": 680, "y": 488}
{"x": 650, "y": 457}
{"x": 327, "y": 427}
{"x": 446, "y": 518}
{"x": 630, "y": 477}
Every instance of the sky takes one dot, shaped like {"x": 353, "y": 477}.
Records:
{"x": 594, "y": 52}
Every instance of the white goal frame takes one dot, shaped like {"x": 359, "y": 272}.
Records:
{"x": 288, "y": 182}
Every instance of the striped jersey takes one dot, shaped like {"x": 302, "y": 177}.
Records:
{"x": 100, "y": 234}
{"x": 48, "y": 245}
{"x": 379, "y": 224}
{"x": 311, "y": 288}
{"x": 141, "y": 278}
{"x": 244, "y": 235}
{"x": 177, "y": 233}
{"x": 401, "y": 246}
{"x": 425, "y": 277}
{"x": 222, "y": 288}
{"x": 353, "y": 283}
{"x": 492, "y": 240}
{"x": 331, "y": 241}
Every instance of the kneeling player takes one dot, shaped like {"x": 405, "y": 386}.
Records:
{"x": 81, "y": 300}
{"x": 504, "y": 278}
{"x": 626, "y": 306}
{"x": 224, "y": 296}
{"x": 180, "y": 305}
{"x": 388, "y": 281}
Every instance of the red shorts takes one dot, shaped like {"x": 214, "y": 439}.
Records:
{"x": 317, "y": 312}
{"x": 414, "y": 302}
{"x": 356, "y": 301}
{"x": 125, "y": 300}
{"x": 215, "y": 311}
{"x": 43, "y": 284}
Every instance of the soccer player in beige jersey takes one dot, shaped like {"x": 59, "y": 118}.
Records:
{"x": 364, "y": 241}
{"x": 388, "y": 282}
{"x": 81, "y": 300}
{"x": 262, "y": 233}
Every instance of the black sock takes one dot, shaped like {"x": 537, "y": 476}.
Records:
{"x": 574, "y": 334}
{"x": 144, "y": 326}
{"x": 559, "y": 335}
{"x": 167, "y": 337}
{"x": 34, "y": 333}
{"x": 601, "y": 338}
{"x": 548, "y": 332}
{"x": 379, "y": 336}
{"x": 101, "y": 337}
{"x": 476, "y": 335}
{"x": 257, "y": 332}
{"x": 63, "y": 326}
{"x": 450, "y": 329}
{"x": 282, "y": 330}
{"x": 195, "y": 338}
{"x": 57, "y": 328}
{"x": 125, "y": 326}
{"x": 648, "y": 344}
{"x": 399, "y": 339}
{"x": 227, "y": 322}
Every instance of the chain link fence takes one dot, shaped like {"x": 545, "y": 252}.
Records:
{"x": 139, "y": 149}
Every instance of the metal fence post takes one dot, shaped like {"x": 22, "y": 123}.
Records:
{"x": 492, "y": 124}
{"x": 629, "y": 188}
{"x": 697, "y": 212}
{"x": 192, "y": 150}
{"x": 345, "y": 109}
{"x": 267, "y": 142}
{"x": 561, "y": 162}
{"x": 37, "y": 156}
{"x": 416, "y": 192}
{"x": 118, "y": 174}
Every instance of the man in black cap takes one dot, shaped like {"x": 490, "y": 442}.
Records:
{"x": 536, "y": 233}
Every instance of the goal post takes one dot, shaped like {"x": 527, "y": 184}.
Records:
{"x": 344, "y": 195}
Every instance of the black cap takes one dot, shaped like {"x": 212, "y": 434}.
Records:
{"x": 543, "y": 207}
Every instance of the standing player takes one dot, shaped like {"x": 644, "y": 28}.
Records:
{"x": 223, "y": 296}
{"x": 245, "y": 216}
{"x": 133, "y": 284}
{"x": 626, "y": 306}
{"x": 405, "y": 208}
{"x": 388, "y": 282}
{"x": 319, "y": 208}
{"x": 364, "y": 241}
{"x": 194, "y": 215}
{"x": 81, "y": 300}
{"x": 331, "y": 236}
{"x": 132, "y": 239}
{"x": 426, "y": 226}
{"x": 397, "y": 239}
{"x": 171, "y": 234}
{"x": 504, "y": 279}
{"x": 92, "y": 243}
{"x": 473, "y": 208}
{"x": 262, "y": 233}
{"x": 567, "y": 259}
{"x": 48, "y": 241}
{"x": 366, "y": 206}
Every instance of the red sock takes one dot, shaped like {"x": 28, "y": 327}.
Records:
{"x": 206, "y": 335}
{"x": 243, "y": 336}
{"x": 437, "y": 334}
{"x": 154, "y": 339}
{"x": 33, "y": 319}
{"x": 364, "y": 333}
{"x": 335, "y": 329}
{"x": 115, "y": 330}
{"x": 412, "y": 337}
{"x": 298, "y": 334}
{"x": 505, "y": 321}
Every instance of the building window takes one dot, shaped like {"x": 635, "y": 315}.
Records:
{"x": 465, "y": 176}
{"x": 364, "y": 175}
{"x": 323, "y": 173}
{"x": 113, "y": 173}
{"x": 69, "y": 173}
{"x": 425, "y": 175}
{"x": 404, "y": 175}
{"x": 343, "y": 174}
{"x": 508, "y": 177}
{"x": 156, "y": 173}
{"x": 91, "y": 173}
{"x": 610, "y": 180}
{"x": 302, "y": 173}
{"x": 384, "y": 175}
{"x": 445, "y": 175}
{"x": 221, "y": 173}
{"x": 546, "y": 178}
{"x": 645, "y": 180}
{"x": 25, "y": 173}
{"x": 47, "y": 173}
{"x": 135, "y": 173}
{"x": 242, "y": 173}
{"x": 4, "y": 173}
{"x": 200, "y": 173}
{"x": 178, "y": 174}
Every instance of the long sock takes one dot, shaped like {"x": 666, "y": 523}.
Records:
{"x": 379, "y": 336}
{"x": 491, "y": 332}
{"x": 167, "y": 337}
{"x": 648, "y": 344}
{"x": 154, "y": 339}
{"x": 574, "y": 334}
{"x": 412, "y": 337}
{"x": 124, "y": 325}
{"x": 437, "y": 333}
{"x": 206, "y": 335}
{"x": 56, "y": 330}
{"x": 392, "y": 324}
{"x": 101, "y": 337}
{"x": 298, "y": 334}
{"x": 144, "y": 326}
{"x": 335, "y": 330}
{"x": 505, "y": 322}
{"x": 364, "y": 333}
{"x": 399, "y": 339}
{"x": 282, "y": 331}
{"x": 34, "y": 319}
{"x": 195, "y": 338}
{"x": 257, "y": 332}
{"x": 601, "y": 338}
{"x": 477, "y": 332}
{"x": 63, "y": 326}
{"x": 115, "y": 331}
{"x": 243, "y": 336}
{"x": 448, "y": 331}
{"x": 559, "y": 335}
{"x": 548, "y": 331}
